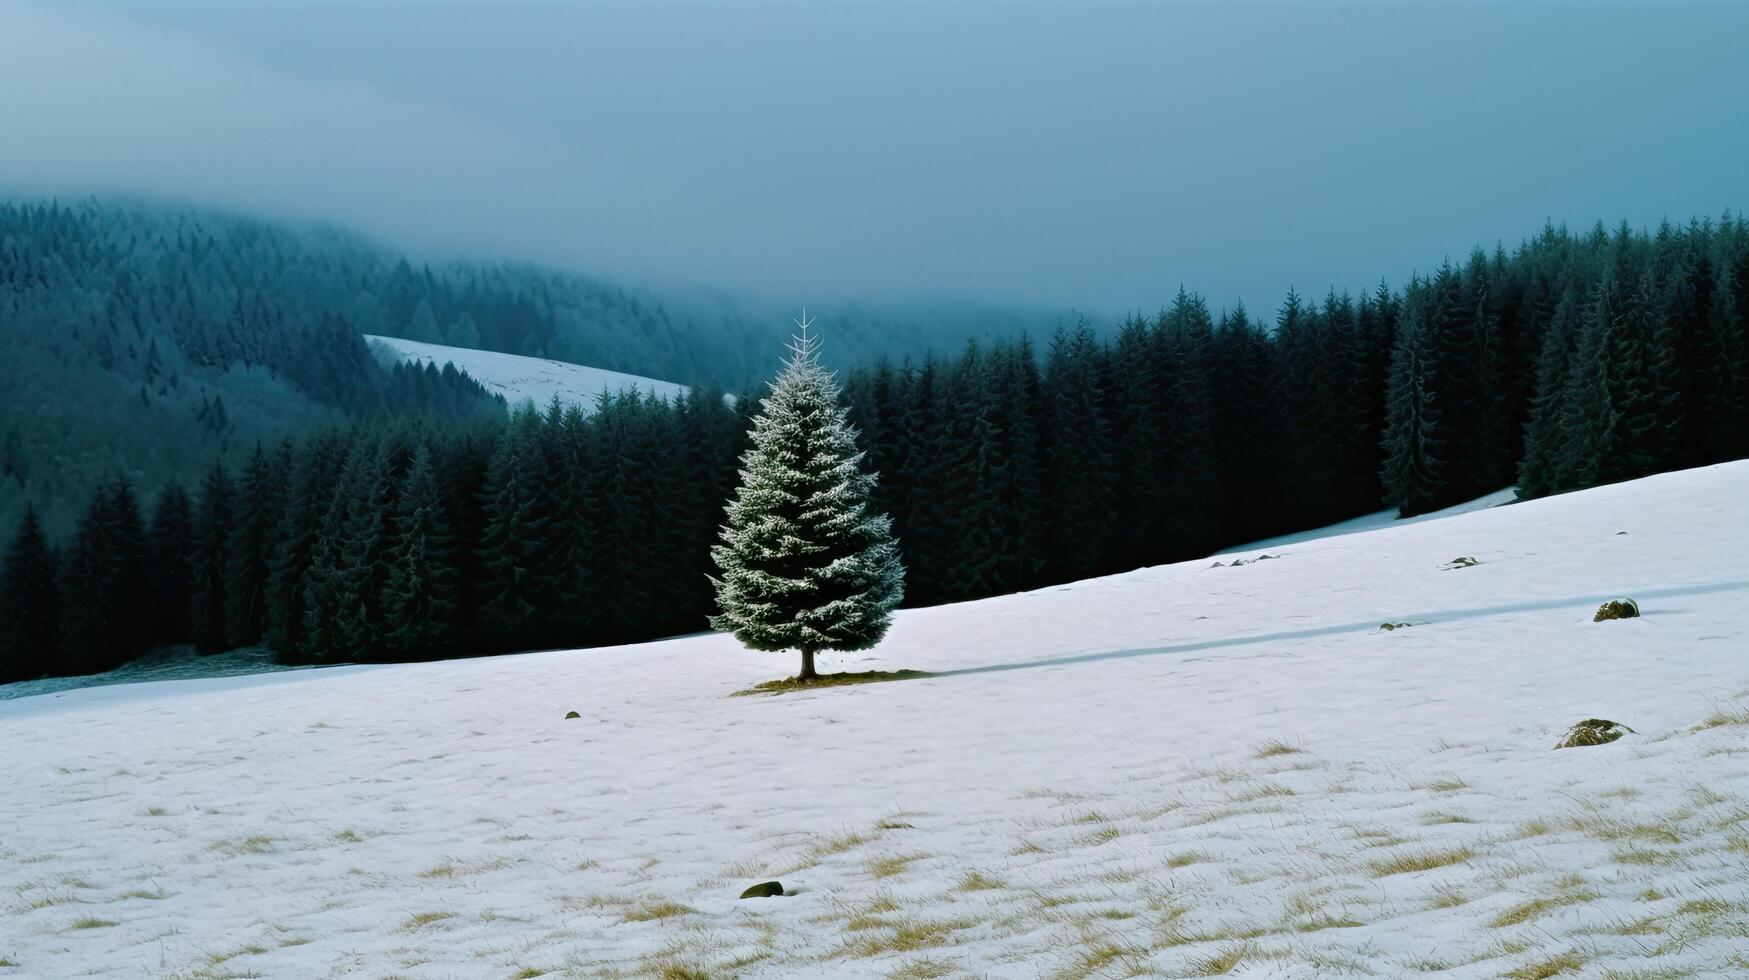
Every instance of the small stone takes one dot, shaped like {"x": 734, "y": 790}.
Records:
{"x": 571, "y": 714}
{"x": 1593, "y": 731}
{"x": 1395, "y": 626}
{"x": 765, "y": 889}
{"x": 1617, "y": 609}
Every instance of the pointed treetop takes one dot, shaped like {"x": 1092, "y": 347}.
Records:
{"x": 805, "y": 348}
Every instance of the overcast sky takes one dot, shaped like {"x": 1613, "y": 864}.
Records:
{"x": 1059, "y": 153}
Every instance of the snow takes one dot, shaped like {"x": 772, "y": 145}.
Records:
{"x": 1152, "y": 772}
{"x": 1381, "y": 519}
{"x": 520, "y": 378}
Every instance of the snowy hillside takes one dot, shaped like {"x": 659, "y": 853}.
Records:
{"x": 1187, "y": 770}
{"x": 520, "y": 378}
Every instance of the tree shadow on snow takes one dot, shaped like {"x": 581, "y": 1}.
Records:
{"x": 1428, "y": 618}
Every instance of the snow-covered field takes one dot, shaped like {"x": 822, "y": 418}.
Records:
{"x": 1179, "y": 771}
{"x": 520, "y": 378}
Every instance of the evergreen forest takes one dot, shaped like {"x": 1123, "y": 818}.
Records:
{"x": 421, "y": 520}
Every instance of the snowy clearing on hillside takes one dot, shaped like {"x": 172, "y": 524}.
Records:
{"x": 519, "y": 378}
{"x": 1378, "y": 520}
{"x": 1184, "y": 770}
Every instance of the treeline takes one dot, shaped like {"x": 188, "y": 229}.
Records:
{"x": 394, "y": 541}
{"x": 150, "y": 342}
{"x": 1573, "y": 361}
{"x": 149, "y": 339}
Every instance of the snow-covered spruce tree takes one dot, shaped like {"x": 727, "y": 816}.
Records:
{"x": 805, "y": 565}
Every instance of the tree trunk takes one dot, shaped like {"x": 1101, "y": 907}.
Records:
{"x": 807, "y": 666}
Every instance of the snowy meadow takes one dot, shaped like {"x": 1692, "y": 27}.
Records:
{"x": 1188, "y": 770}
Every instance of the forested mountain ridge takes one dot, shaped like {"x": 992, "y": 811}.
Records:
{"x": 1573, "y": 361}
{"x": 145, "y": 343}
{"x": 147, "y": 339}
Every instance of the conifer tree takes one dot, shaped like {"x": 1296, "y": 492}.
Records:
{"x": 30, "y": 605}
{"x": 1413, "y": 448}
{"x": 212, "y": 531}
{"x": 172, "y": 539}
{"x": 419, "y": 596}
{"x": 805, "y": 564}
{"x": 248, "y": 552}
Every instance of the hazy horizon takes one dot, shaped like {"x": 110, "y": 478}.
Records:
{"x": 1053, "y": 155}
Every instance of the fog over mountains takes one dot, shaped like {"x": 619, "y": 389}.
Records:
{"x": 1048, "y": 154}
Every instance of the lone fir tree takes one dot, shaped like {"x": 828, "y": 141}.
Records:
{"x": 805, "y": 564}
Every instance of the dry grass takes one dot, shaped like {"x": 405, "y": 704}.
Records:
{"x": 91, "y": 922}
{"x": 253, "y": 844}
{"x": 655, "y": 911}
{"x": 906, "y": 936}
{"x": 1551, "y": 966}
{"x": 1101, "y": 956}
{"x": 923, "y": 968}
{"x": 1275, "y": 747}
{"x": 977, "y": 881}
{"x": 1734, "y": 715}
{"x": 842, "y": 679}
{"x": 420, "y": 920}
{"x": 1224, "y": 961}
{"x": 892, "y": 864}
{"x": 1413, "y": 861}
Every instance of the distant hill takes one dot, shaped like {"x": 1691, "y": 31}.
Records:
{"x": 149, "y": 339}
{"x": 517, "y": 378}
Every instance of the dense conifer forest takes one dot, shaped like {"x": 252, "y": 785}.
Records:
{"x": 148, "y": 339}
{"x": 1575, "y": 360}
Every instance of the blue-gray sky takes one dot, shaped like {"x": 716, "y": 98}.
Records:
{"x": 1061, "y": 153}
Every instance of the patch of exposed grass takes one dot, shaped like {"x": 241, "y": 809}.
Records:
{"x": 922, "y": 969}
{"x": 156, "y": 811}
{"x": 156, "y": 895}
{"x": 1537, "y": 907}
{"x": 1437, "y": 818}
{"x": 1103, "y": 835}
{"x": 528, "y": 973}
{"x": 253, "y": 844}
{"x": 683, "y": 971}
{"x": 1550, "y": 966}
{"x": 420, "y": 920}
{"x": 1448, "y": 898}
{"x": 906, "y": 937}
{"x": 1275, "y": 747}
{"x": 1413, "y": 861}
{"x": 1101, "y": 956}
{"x": 1634, "y": 854}
{"x": 1451, "y": 785}
{"x": 1252, "y": 793}
{"x": 893, "y": 823}
{"x": 654, "y": 911}
{"x": 444, "y": 870}
{"x": 842, "y": 679}
{"x": 1735, "y": 715}
{"x": 892, "y": 864}
{"x": 1187, "y": 858}
{"x": 1224, "y": 961}
{"x": 838, "y": 845}
{"x": 977, "y": 881}
{"x": 91, "y": 922}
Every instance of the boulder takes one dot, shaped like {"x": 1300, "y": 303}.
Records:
{"x": 1593, "y": 731}
{"x": 1617, "y": 609}
{"x": 765, "y": 889}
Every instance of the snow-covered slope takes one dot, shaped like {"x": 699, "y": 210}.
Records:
{"x": 1176, "y": 771}
{"x": 1381, "y": 519}
{"x": 520, "y": 378}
